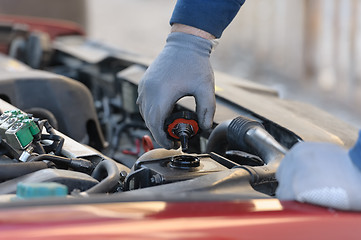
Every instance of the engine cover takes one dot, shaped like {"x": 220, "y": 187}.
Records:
{"x": 68, "y": 100}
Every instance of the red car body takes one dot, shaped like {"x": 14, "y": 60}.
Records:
{"x": 256, "y": 219}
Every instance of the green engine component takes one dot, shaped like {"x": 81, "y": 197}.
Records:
{"x": 8, "y": 118}
{"x": 17, "y": 128}
{"x": 32, "y": 126}
{"x": 13, "y": 113}
{"x": 19, "y": 135}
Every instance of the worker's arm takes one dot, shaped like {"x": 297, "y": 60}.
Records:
{"x": 183, "y": 67}
{"x": 177, "y": 27}
{"x": 323, "y": 174}
{"x": 212, "y": 16}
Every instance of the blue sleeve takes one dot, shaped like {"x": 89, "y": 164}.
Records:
{"x": 355, "y": 152}
{"x": 212, "y": 16}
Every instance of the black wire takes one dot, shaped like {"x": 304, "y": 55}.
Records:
{"x": 38, "y": 148}
{"x": 57, "y": 144}
{"x": 79, "y": 164}
{"x": 49, "y": 128}
{"x": 58, "y": 141}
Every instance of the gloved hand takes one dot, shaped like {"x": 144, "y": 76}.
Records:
{"x": 181, "y": 69}
{"x": 322, "y": 174}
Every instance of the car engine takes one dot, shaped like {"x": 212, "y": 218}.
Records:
{"x": 73, "y": 131}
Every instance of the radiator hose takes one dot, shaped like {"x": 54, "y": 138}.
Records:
{"x": 109, "y": 169}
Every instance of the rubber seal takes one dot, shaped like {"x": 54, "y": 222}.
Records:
{"x": 191, "y": 122}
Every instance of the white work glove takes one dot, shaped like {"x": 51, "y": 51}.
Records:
{"x": 181, "y": 69}
{"x": 322, "y": 174}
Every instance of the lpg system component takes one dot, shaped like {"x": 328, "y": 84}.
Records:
{"x": 18, "y": 129}
{"x": 32, "y": 152}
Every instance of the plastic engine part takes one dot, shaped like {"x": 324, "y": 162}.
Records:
{"x": 40, "y": 190}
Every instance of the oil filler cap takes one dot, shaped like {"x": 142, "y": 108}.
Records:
{"x": 181, "y": 126}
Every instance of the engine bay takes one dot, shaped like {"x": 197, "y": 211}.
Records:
{"x": 38, "y": 162}
{"x": 72, "y": 131}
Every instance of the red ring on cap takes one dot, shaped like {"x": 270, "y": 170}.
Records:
{"x": 191, "y": 122}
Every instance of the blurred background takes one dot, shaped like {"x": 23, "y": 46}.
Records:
{"x": 308, "y": 50}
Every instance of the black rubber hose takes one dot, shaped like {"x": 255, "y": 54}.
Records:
{"x": 78, "y": 164}
{"x": 109, "y": 170}
{"x": 38, "y": 148}
{"x": 49, "y": 128}
{"x": 57, "y": 144}
{"x": 217, "y": 141}
{"x": 237, "y": 130}
{"x": 13, "y": 170}
{"x": 250, "y": 136}
{"x": 247, "y": 135}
